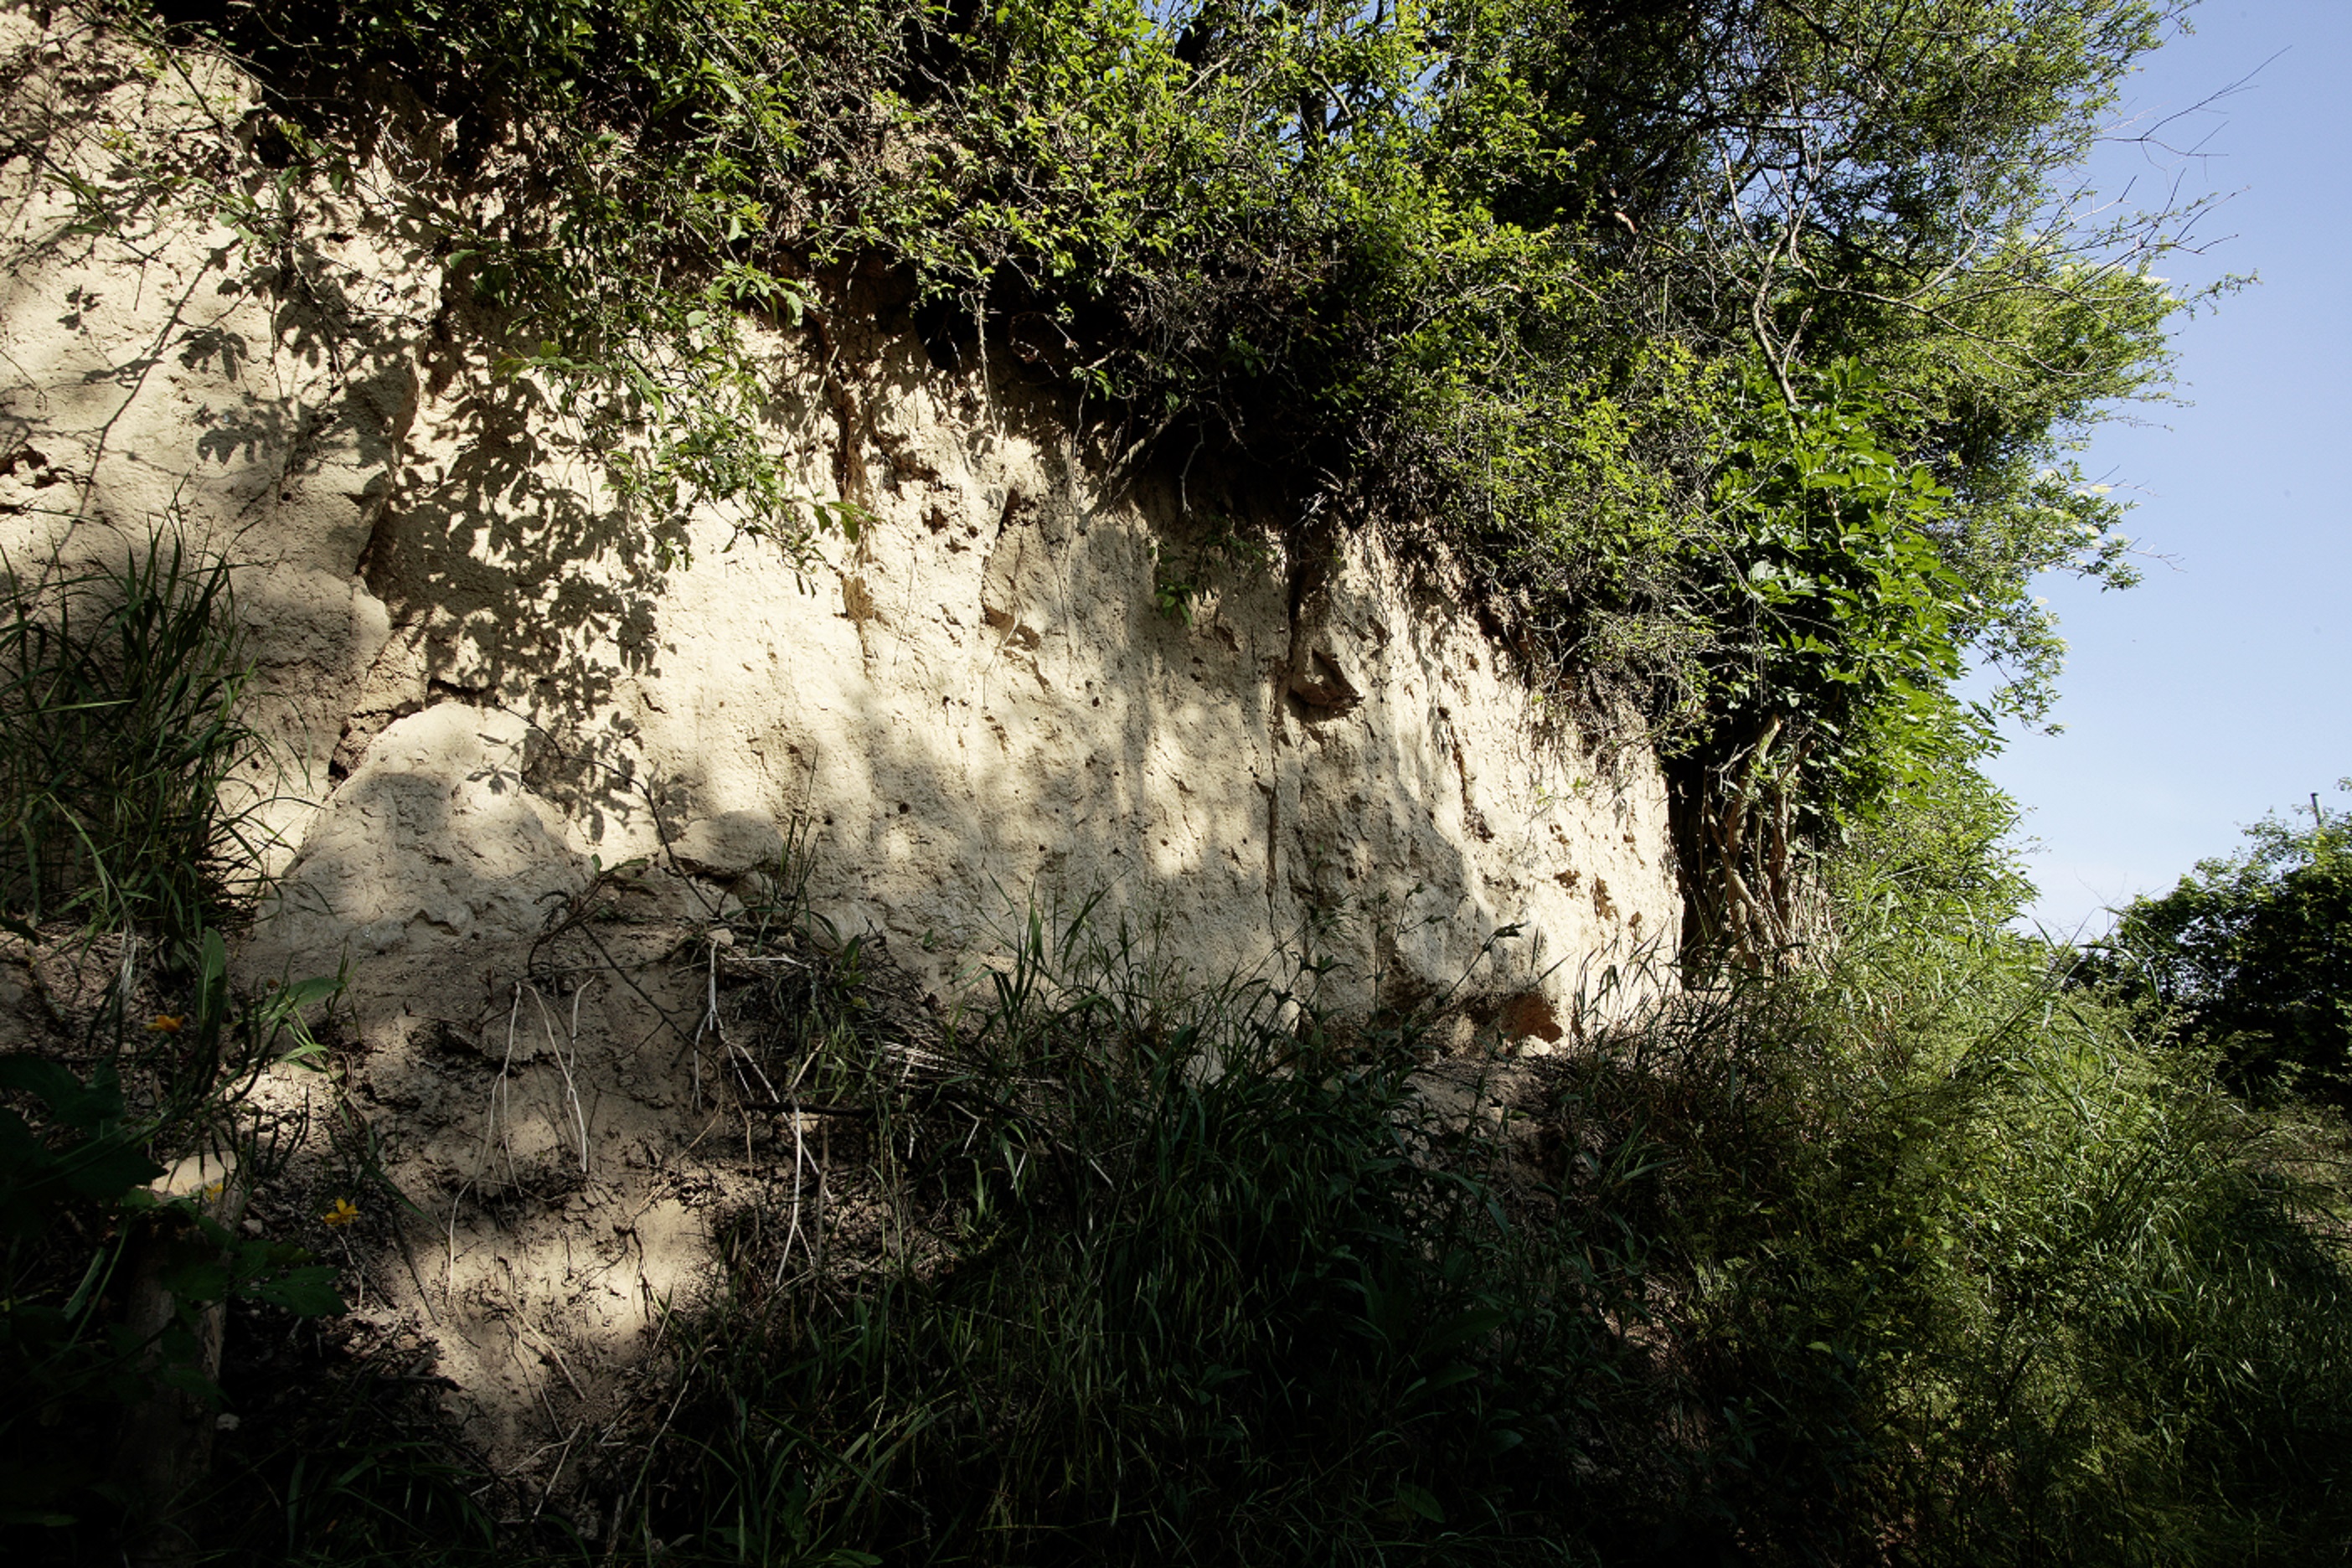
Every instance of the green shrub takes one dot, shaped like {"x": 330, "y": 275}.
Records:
{"x": 2251, "y": 957}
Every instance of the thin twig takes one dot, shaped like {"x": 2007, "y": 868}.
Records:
{"x": 563, "y": 1065}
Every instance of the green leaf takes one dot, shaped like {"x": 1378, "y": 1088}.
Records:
{"x": 1420, "y": 1501}
{"x": 307, "y": 1292}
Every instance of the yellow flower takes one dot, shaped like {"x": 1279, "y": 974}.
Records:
{"x": 166, "y": 1024}
{"x": 342, "y": 1213}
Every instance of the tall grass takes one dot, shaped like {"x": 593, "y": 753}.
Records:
{"x": 1988, "y": 1284}
{"x": 119, "y": 735}
{"x": 1180, "y": 1280}
{"x": 1832, "y": 1268}
{"x": 1820, "y": 1271}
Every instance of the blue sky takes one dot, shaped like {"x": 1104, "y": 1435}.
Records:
{"x": 2221, "y": 687}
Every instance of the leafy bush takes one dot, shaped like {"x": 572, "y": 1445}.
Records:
{"x": 2250, "y": 956}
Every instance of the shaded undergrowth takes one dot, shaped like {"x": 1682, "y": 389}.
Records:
{"x": 1911, "y": 1258}
{"x": 134, "y": 1132}
{"x": 1835, "y": 1271}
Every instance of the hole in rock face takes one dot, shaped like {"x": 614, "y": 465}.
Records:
{"x": 1530, "y": 1015}
{"x": 947, "y": 332}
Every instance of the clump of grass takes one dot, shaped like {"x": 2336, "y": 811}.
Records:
{"x": 1177, "y": 1279}
{"x": 1963, "y": 1272}
{"x": 121, "y": 733}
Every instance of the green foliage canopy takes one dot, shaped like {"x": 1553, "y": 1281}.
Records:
{"x": 2252, "y": 954}
{"x": 1569, "y": 283}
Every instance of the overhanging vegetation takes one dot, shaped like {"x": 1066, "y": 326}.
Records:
{"x": 1737, "y": 345}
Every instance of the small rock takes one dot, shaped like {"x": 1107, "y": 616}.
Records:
{"x": 725, "y": 847}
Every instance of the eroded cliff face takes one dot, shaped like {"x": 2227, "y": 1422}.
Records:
{"x": 492, "y": 686}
